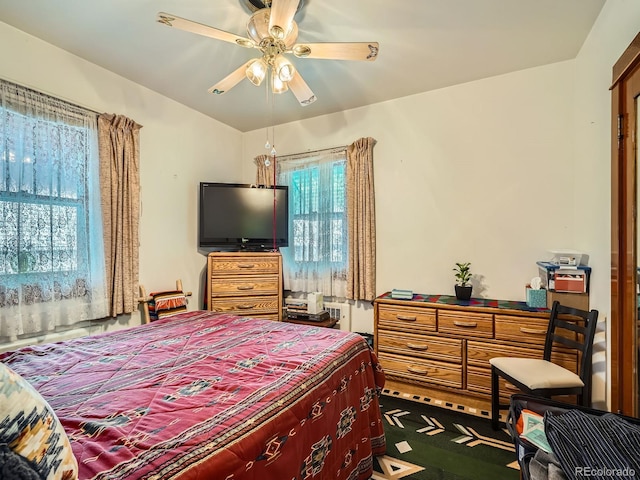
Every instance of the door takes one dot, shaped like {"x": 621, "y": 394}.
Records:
{"x": 625, "y": 393}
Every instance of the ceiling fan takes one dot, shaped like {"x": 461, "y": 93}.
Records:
{"x": 272, "y": 30}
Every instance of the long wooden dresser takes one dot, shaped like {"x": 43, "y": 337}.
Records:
{"x": 245, "y": 283}
{"x": 438, "y": 347}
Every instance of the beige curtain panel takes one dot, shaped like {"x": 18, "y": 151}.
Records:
{"x": 361, "y": 216}
{"x": 119, "y": 147}
{"x": 264, "y": 170}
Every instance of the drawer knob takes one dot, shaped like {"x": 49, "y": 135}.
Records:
{"x": 405, "y": 318}
{"x": 533, "y": 331}
{"x": 246, "y": 306}
{"x": 418, "y": 370}
{"x": 460, "y": 323}
{"x": 246, "y": 265}
{"x": 415, "y": 346}
{"x": 246, "y": 287}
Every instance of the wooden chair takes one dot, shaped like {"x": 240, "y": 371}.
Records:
{"x": 147, "y": 300}
{"x": 569, "y": 328}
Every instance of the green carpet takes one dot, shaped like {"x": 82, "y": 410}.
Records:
{"x": 425, "y": 442}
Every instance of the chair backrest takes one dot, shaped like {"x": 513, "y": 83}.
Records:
{"x": 575, "y": 329}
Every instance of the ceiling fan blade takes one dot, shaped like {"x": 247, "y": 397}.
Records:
{"x": 201, "y": 29}
{"x": 301, "y": 90}
{"x": 281, "y": 16}
{"x": 231, "y": 80}
{"x": 337, "y": 51}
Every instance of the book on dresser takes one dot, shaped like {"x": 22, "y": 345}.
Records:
{"x": 399, "y": 294}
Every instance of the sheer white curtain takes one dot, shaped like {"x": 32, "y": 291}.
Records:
{"x": 316, "y": 258}
{"x": 51, "y": 245}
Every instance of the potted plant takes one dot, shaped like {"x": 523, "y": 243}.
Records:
{"x": 463, "y": 275}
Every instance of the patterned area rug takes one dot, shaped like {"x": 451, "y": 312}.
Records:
{"x": 425, "y": 442}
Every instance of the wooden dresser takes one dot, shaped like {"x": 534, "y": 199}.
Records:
{"x": 245, "y": 283}
{"x": 438, "y": 347}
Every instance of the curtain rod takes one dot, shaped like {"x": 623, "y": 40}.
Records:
{"x": 51, "y": 95}
{"x": 295, "y": 156}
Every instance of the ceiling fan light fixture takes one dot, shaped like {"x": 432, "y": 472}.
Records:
{"x": 284, "y": 69}
{"x": 277, "y": 85}
{"x": 256, "y": 71}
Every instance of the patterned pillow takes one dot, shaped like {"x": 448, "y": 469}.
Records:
{"x": 31, "y": 429}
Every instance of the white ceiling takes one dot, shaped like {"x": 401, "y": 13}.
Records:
{"x": 424, "y": 45}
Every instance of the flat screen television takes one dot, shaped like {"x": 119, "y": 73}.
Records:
{"x": 234, "y": 216}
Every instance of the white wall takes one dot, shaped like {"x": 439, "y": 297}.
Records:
{"x": 480, "y": 172}
{"x": 179, "y": 148}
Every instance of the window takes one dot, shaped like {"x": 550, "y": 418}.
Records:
{"x": 40, "y": 209}
{"x": 51, "y": 252}
{"x": 316, "y": 259}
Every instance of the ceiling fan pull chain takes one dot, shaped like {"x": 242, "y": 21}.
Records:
{"x": 267, "y": 145}
{"x": 273, "y": 127}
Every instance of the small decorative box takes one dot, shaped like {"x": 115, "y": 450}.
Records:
{"x": 537, "y": 298}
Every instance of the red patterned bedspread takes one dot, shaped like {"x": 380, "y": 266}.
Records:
{"x": 214, "y": 397}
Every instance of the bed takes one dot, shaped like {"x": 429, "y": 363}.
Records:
{"x": 213, "y": 396}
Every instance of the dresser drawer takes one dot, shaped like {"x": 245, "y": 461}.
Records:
{"x": 420, "y": 346}
{"x": 465, "y": 324}
{"x": 479, "y": 354}
{"x": 479, "y": 381}
{"x": 246, "y": 306}
{"x": 528, "y": 330}
{"x": 245, "y": 265}
{"x": 421, "y": 370}
{"x": 244, "y": 285}
{"x": 407, "y": 319}
{"x": 521, "y": 329}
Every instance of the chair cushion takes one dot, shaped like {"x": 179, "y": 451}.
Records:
{"x": 30, "y": 429}
{"x": 537, "y": 373}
